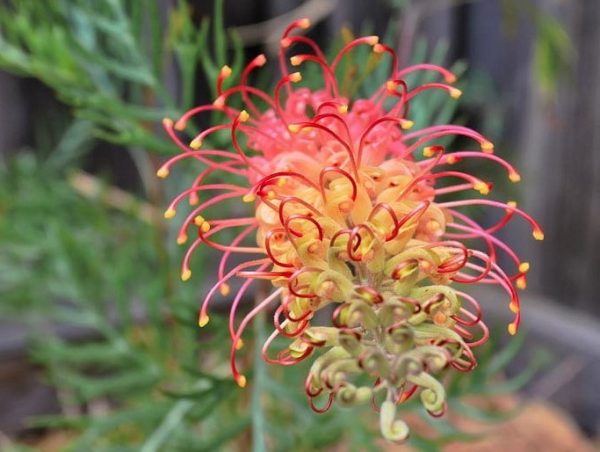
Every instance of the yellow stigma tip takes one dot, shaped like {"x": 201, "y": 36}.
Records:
{"x": 455, "y": 93}
{"x": 391, "y": 86}
{"x": 281, "y": 181}
{"x": 524, "y": 267}
{"x": 162, "y": 172}
{"x": 294, "y": 128}
{"x": 538, "y": 234}
{"x": 372, "y": 40}
{"x": 180, "y": 125}
{"x": 487, "y": 146}
{"x": 225, "y": 71}
{"x": 199, "y": 220}
{"x": 219, "y": 102}
{"x": 295, "y": 77}
{"x": 451, "y": 160}
{"x": 205, "y": 227}
{"x": 295, "y": 60}
{"x": 167, "y": 122}
{"x": 514, "y": 308}
{"x": 522, "y": 283}
{"x": 406, "y": 124}
{"x": 512, "y": 329}
{"x": 182, "y": 239}
{"x": 243, "y": 116}
{"x": 450, "y": 78}
{"x": 304, "y": 23}
{"x": 343, "y": 109}
{"x": 428, "y": 151}
{"x": 514, "y": 177}
{"x": 260, "y": 60}
{"x": 250, "y": 197}
{"x": 481, "y": 187}
{"x": 512, "y": 204}
{"x": 378, "y": 48}
{"x": 196, "y": 143}
{"x": 186, "y": 274}
{"x": 170, "y": 213}
{"x": 241, "y": 381}
{"x": 239, "y": 344}
{"x": 203, "y": 320}
{"x": 224, "y": 289}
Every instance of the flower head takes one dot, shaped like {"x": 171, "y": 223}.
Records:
{"x": 348, "y": 213}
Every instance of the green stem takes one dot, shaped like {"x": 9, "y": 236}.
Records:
{"x": 259, "y": 376}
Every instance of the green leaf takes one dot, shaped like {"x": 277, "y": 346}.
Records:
{"x": 552, "y": 53}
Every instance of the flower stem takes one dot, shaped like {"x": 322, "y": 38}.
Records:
{"x": 260, "y": 373}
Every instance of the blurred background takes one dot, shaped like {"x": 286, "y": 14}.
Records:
{"x": 98, "y": 340}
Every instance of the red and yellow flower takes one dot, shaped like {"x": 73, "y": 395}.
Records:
{"x": 348, "y": 214}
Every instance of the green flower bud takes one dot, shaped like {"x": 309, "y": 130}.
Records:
{"x": 335, "y": 353}
{"x": 336, "y": 372}
{"x": 392, "y": 429}
{"x": 359, "y": 314}
{"x": 374, "y": 362}
{"x": 434, "y": 396}
{"x": 350, "y": 342}
{"x": 399, "y": 339}
{"x": 435, "y": 358}
{"x": 322, "y": 336}
{"x": 333, "y": 286}
{"x": 351, "y": 395}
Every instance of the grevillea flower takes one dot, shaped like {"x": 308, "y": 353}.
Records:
{"x": 349, "y": 217}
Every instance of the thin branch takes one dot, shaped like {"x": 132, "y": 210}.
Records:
{"x": 259, "y": 375}
{"x": 269, "y": 31}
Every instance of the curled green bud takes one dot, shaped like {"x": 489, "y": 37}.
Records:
{"x": 392, "y": 429}
{"x": 332, "y": 369}
{"x": 399, "y": 339}
{"x": 333, "y": 286}
{"x": 336, "y": 372}
{"x": 374, "y": 362}
{"x": 427, "y": 332}
{"x": 407, "y": 364}
{"x": 405, "y": 264}
{"x": 434, "y": 394}
{"x": 334, "y": 354}
{"x": 321, "y": 336}
{"x": 358, "y": 313}
{"x": 368, "y": 295}
{"x": 450, "y": 302}
{"x": 298, "y": 348}
{"x": 351, "y": 395}
{"x": 395, "y": 310}
{"x": 350, "y": 342}
{"x": 435, "y": 358}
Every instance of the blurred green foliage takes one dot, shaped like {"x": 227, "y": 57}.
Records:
{"x": 139, "y": 374}
{"x": 552, "y": 48}
{"x": 552, "y": 54}
{"x": 109, "y": 60}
